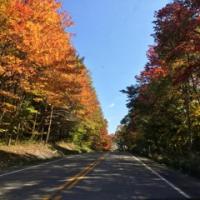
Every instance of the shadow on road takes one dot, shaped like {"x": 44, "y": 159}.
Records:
{"x": 118, "y": 177}
{"x": 43, "y": 180}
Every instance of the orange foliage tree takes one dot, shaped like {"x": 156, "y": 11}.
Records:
{"x": 46, "y": 92}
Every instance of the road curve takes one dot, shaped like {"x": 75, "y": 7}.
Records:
{"x": 98, "y": 176}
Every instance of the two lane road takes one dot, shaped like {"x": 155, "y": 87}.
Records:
{"x": 98, "y": 176}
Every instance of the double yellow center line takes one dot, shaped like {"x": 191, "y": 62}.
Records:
{"x": 71, "y": 182}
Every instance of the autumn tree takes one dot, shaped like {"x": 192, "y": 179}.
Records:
{"x": 46, "y": 92}
{"x": 163, "y": 115}
{"x": 89, "y": 129}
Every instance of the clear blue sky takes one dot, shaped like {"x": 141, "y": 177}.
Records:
{"x": 113, "y": 36}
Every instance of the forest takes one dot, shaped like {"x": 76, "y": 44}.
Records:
{"x": 163, "y": 120}
{"x": 46, "y": 91}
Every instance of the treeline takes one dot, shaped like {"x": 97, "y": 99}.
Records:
{"x": 164, "y": 105}
{"x": 46, "y": 92}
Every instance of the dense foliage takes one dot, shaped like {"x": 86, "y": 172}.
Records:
{"x": 164, "y": 105}
{"x": 46, "y": 92}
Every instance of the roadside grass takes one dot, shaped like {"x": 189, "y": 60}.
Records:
{"x": 25, "y": 154}
{"x": 189, "y": 163}
{"x": 13, "y": 160}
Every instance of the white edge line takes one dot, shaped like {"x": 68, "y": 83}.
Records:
{"x": 163, "y": 179}
{"x": 31, "y": 167}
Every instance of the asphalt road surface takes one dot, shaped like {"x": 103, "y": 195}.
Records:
{"x": 98, "y": 176}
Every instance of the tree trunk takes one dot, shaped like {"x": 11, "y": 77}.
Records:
{"x": 187, "y": 108}
{"x": 49, "y": 128}
{"x": 9, "y": 139}
{"x": 42, "y": 134}
{"x": 2, "y": 115}
{"x": 195, "y": 89}
{"x": 33, "y": 129}
{"x": 18, "y": 133}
